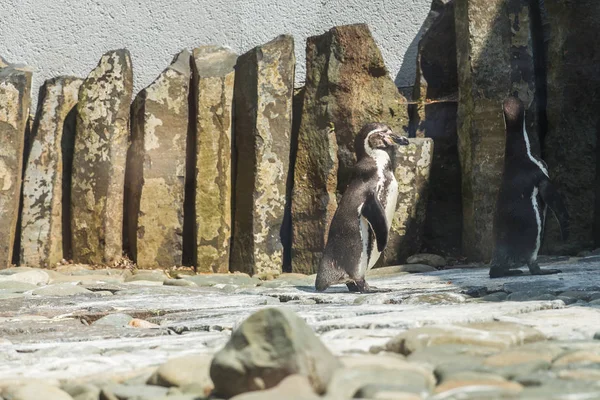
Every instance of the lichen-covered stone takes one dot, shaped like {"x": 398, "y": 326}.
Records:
{"x": 493, "y": 60}
{"x": 99, "y": 159}
{"x": 412, "y": 168}
{"x": 347, "y": 85}
{"x": 215, "y": 78}
{"x": 571, "y": 144}
{"x": 156, "y": 167}
{"x": 15, "y": 90}
{"x": 270, "y": 345}
{"x": 434, "y": 115}
{"x": 47, "y": 182}
{"x": 264, "y": 84}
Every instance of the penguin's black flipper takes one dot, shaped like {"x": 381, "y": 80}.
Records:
{"x": 373, "y": 211}
{"x": 553, "y": 200}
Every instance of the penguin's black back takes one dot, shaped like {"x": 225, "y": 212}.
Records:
{"x": 515, "y": 223}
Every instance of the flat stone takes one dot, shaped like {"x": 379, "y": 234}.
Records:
{"x": 51, "y": 150}
{"x": 16, "y": 286}
{"x": 60, "y": 289}
{"x": 101, "y": 141}
{"x": 142, "y": 324}
{"x": 398, "y": 269}
{"x": 345, "y": 76}
{"x": 580, "y": 374}
{"x": 32, "y": 391}
{"x": 472, "y": 378}
{"x": 118, "y": 320}
{"x": 179, "y": 282}
{"x": 296, "y": 350}
{"x": 577, "y": 358}
{"x": 436, "y": 298}
{"x": 428, "y": 259}
{"x": 33, "y": 277}
{"x": 144, "y": 282}
{"x": 156, "y": 171}
{"x": 495, "y": 335}
{"x": 498, "y": 296}
{"x": 132, "y": 392}
{"x": 264, "y": 85}
{"x": 15, "y": 90}
{"x": 214, "y": 71}
{"x": 85, "y": 279}
{"x": 517, "y": 356}
{"x": 147, "y": 277}
{"x": 220, "y": 279}
{"x": 294, "y": 387}
{"x": 82, "y": 391}
{"x": 391, "y": 361}
{"x": 181, "y": 371}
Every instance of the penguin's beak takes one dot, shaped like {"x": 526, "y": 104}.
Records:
{"x": 397, "y": 139}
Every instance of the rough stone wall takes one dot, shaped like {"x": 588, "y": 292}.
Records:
{"x": 157, "y": 165}
{"x": 101, "y": 141}
{"x": 45, "y": 193}
{"x": 15, "y": 88}
{"x": 263, "y": 122}
{"x": 573, "y": 104}
{"x": 489, "y": 35}
{"x": 214, "y": 69}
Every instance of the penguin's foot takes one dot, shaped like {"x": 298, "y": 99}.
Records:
{"x": 496, "y": 272}
{"x": 359, "y": 286}
{"x": 535, "y": 269}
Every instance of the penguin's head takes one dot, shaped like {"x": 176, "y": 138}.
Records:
{"x": 514, "y": 112}
{"x": 376, "y": 136}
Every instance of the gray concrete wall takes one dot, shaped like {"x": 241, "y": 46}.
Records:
{"x": 60, "y": 37}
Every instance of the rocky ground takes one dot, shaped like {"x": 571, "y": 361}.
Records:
{"x": 87, "y": 334}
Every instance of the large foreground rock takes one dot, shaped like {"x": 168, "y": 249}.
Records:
{"x": 347, "y": 85}
{"x": 15, "y": 90}
{"x": 45, "y": 238}
{"x": 156, "y": 167}
{"x": 413, "y": 165}
{"x": 570, "y": 148}
{"x": 215, "y": 78}
{"x": 494, "y": 59}
{"x": 264, "y": 84}
{"x": 270, "y": 345}
{"x": 99, "y": 160}
{"x": 434, "y": 115}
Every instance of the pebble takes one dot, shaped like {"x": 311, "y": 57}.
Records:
{"x": 474, "y": 378}
{"x": 428, "y": 259}
{"x": 182, "y": 371}
{"x": 179, "y": 282}
{"x": 142, "y": 324}
{"x": 498, "y": 296}
{"x": 60, "y": 289}
{"x": 147, "y": 277}
{"x": 577, "y": 358}
{"x": 294, "y": 387}
{"x": 134, "y": 392}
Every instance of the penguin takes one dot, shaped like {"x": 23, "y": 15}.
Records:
{"x": 526, "y": 193}
{"x": 359, "y": 229}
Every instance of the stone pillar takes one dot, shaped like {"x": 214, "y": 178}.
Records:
{"x": 573, "y": 110}
{"x": 434, "y": 115}
{"x": 156, "y": 167}
{"x": 412, "y": 169}
{"x": 490, "y": 34}
{"x": 264, "y": 85}
{"x": 15, "y": 92}
{"x": 214, "y": 77}
{"x": 347, "y": 85}
{"x": 47, "y": 183}
{"x": 98, "y": 176}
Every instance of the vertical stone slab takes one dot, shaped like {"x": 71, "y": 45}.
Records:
{"x": 43, "y": 198}
{"x": 213, "y": 68}
{"x": 264, "y": 84}
{"x": 489, "y": 35}
{"x": 434, "y": 115}
{"x": 15, "y": 92}
{"x": 347, "y": 85}
{"x": 156, "y": 167}
{"x": 573, "y": 110}
{"x": 412, "y": 169}
{"x": 99, "y": 160}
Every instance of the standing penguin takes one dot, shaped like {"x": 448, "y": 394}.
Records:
{"x": 525, "y": 193}
{"x": 359, "y": 229}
